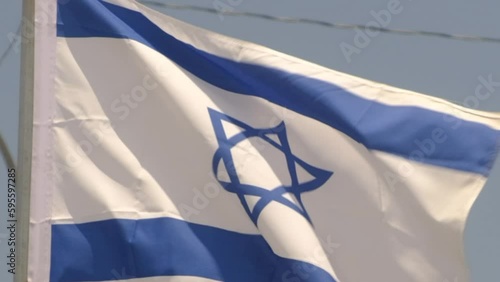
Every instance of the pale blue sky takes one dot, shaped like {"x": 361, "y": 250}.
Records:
{"x": 443, "y": 68}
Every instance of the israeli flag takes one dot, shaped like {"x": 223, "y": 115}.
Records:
{"x": 165, "y": 152}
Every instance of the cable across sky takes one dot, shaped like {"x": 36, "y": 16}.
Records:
{"x": 9, "y": 48}
{"x": 461, "y": 37}
{"x": 345, "y": 26}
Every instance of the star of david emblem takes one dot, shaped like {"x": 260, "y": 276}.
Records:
{"x": 253, "y": 197}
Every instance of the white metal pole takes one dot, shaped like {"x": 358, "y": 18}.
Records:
{"x": 25, "y": 140}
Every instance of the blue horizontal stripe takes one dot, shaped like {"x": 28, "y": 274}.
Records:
{"x": 123, "y": 249}
{"x": 397, "y": 130}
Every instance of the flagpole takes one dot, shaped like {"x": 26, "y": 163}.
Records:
{"x": 25, "y": 140}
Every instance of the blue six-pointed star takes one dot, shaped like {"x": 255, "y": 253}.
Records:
{"x": 266, "y": 196}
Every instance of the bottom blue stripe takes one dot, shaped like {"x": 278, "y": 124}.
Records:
{"x": 123, "y": 249}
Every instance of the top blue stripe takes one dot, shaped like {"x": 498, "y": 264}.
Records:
{"x": 393, "y": 129}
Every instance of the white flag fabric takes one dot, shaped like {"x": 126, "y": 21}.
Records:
{"x": 165, "y": 152}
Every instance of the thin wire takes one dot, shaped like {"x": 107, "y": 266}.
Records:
{"x": 7, "y": 156}
{"x": 324, "y": 23}
{"x": 4, "y": 149}
{"x": 9, "y": 48}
